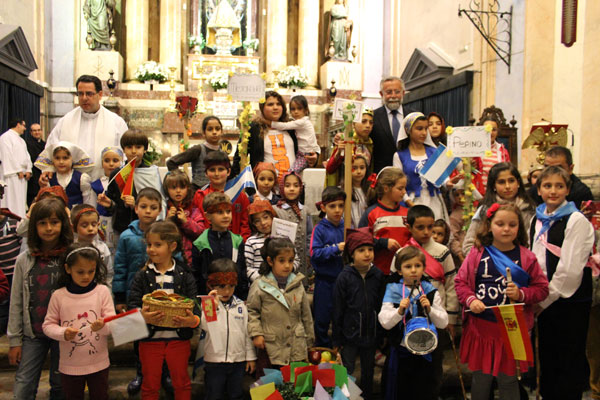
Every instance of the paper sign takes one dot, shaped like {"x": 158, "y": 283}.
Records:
{"x": 283, "y": 228}
{"x": 274, "y": 377}
{"x": 320, "y": 393}
{"x": 337, "y": 394}
{"x": 275, "y": 396}
{"x": 469, "y": 141}
{"x": 285, "y": 372}
{"x": 353, "y": 390}
{"x": 246, "y": 87}
{"x": 300, "y": 370}
{"x": 325, "y": 376}
{"x": 293, "y": 366}
{"x": 304, "y": 383}
{"x": 341, "y": 375}
{"x": 262, "y": 392}
{"x": 127, "y": 327}
{"x": 209, "y": 307}
{"x": 339, "y": 106}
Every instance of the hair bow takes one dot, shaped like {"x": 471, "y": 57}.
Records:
{"x": 492, "y": 210}
{"x": 373, "y": 179}
{"x": 84, "y": 315}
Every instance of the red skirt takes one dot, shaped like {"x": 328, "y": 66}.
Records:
{"x": 482, "y": 348}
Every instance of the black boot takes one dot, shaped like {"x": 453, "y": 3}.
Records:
{"x": 135, "y": 385}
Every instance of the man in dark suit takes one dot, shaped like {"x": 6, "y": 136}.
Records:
{"x": 387, "y": 120}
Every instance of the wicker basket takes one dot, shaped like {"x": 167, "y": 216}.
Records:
{"x": 169, "y": 308}
{"x": 334, "y": 354}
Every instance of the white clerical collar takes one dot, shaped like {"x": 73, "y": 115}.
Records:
{"x": 87, "y": 115}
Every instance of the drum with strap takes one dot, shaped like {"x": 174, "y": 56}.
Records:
{"x": 420, "y": 335}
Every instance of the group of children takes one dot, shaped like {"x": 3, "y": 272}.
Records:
{"x": 370, "y": 282}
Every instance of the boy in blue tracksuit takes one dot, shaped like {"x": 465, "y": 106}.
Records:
{"x": 357, "y": 300}
{"x": 326, "y": 246}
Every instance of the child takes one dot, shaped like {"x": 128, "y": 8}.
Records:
{"x": 75, "y": 319}
{"x": 385, "y": 218}
{"x": 457, "y": 222}
{"x": 360, "y": 188}
{"x": 86, "y": 221}
{"x": 35, "y": 277}
{"x": 562, "y": 239}
{"x": 409, "y": 375}
{"x": 326, "y": 247}
{"x": 218, "y": 242}
{"x": 441, "y": 232}
{"x": 485, "y": 164}
{"x": 134, "y": 144}
{"x": 504, "y": 185}
{"x": 10, "y": 246}
{"x": 436, "y": 128}
{"x": 363, "y": 145}
{"x": 416, "y": 147}
{"x": 68, "y": 162}
{"x": 532, "y": 176}
{"x": 481, "y": 283}
{"x": 226, "y": 359}
{"x": 305, "y": 131}
{"x": 131, "y": 251}
{"x": 212, "y": 128}
{"x": 112, "y": 159}
{"x": 170, "y": 345}
{"x": 265, "y": 176}
{"x": 218, "y": 168}
{"x": 440, "y": 272}
{"x": 261, "y": 215}
{"x": 279, "y": 315}
{"x": 356, "y": 303}
{"x": 181, "y": 210}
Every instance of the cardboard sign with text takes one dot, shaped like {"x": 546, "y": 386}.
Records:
{"x": 340, "y": 105}
{"x": 469, "y": 141}
{"x": 246, "y": 87}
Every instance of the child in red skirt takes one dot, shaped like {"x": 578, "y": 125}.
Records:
{"x": 481, "y": 283}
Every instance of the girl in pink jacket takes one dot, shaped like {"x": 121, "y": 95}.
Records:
{"x": 481, "y": 283}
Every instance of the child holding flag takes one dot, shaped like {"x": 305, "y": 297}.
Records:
{"x": 562, "y": 239}
{"x": 218, "y": 168}
{"x": 126, "y": 182}
{"x": 482, "y": 283}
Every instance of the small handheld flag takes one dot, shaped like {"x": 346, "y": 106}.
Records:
{"x": 511, "y": 322}
{"x": 439, "y": 166}
{"x": 127, "y": 327}
{"x": 234, "y": 187}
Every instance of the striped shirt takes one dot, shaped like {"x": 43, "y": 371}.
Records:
{"x": 10, "y": 245}
{"x": 164, "y": 281}
{"x": 489, "y": 162}
{"x": 252, "y": 253}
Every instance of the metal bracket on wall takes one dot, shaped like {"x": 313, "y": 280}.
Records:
{"x": 495, "y": 26}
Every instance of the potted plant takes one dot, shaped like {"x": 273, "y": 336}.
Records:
{"x": 292, "y": 77}
{"x": 151, "y": 72}
{"x": 251, "y": 45}
{"x": 218, "y": 80}
{"x": 196, "y": 43}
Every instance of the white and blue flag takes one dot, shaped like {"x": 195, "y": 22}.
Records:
{"x": 439, "y": 166}
{"x": 234, "y": 187}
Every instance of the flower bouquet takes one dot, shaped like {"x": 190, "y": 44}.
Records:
{"x": 151, "y": 71}
{"x": 186, "y": 108}
{"x": 218, "y": 79}
{"x": 292, "y": 75}
{"x": 196, "y": 42}
{"x": 300, "y": 380}
{"x": 250, "y": 44}
{"x": 153, "y": 154}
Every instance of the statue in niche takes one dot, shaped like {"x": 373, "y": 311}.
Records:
{"x": 99, "y": 17}
{"x": 223, "y": 29}
{"x": 339, "y": 32}
{"x": 239, "y": 8}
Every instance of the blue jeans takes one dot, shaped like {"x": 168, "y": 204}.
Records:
{"x": 222, "y": 379}
{"x": 33, "y": 355}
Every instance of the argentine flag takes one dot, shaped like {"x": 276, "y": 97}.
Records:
{"x": 439, "y": 166}
{"x": 234, "y": 187}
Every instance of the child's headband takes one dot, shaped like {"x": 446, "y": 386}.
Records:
{"x": 81, "y": 249}
{"x": 114, "y": 149}
{"x": 222, "y": 278}
{"x": 218, "y": 207}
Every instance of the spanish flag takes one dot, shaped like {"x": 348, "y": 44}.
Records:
{"x": 512, "y": 324}
{"x": 124, "y": 178}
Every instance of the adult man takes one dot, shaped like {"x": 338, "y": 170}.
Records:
{"x": 561, "y": 156}
{"x": 16, "y": 167}
{"x": 35, "y": 145}
{"x": 387, "y": 120}
{"x": 91, "y": 126}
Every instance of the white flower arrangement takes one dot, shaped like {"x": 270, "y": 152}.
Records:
{"x": 250, "y": 44}
{"x": 292, "y": 75}
{"x": 153, "y": 154}
{"x": 151, "y": 71}
{"x": 218, "y": 79}
{"x": 198, "y": 40}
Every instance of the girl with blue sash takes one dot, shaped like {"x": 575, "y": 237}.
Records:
{"x": 562, "y": 239}
{"x": 416, "y": 147}
{"x": 407, "y": 375}
{"x": 481, "y": 283}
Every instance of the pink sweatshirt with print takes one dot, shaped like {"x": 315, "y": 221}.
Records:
{"x": 88, "y": 352}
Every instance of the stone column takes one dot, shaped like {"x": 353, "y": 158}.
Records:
{"x": 308, "y": 38}
{"x": 171, "y": 30}
{"x": 136, "y": 23}
{"x": 276, "y": 35}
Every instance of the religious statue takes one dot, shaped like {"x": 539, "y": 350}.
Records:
{"x": 339, "y": 32}
{"x": 99, "y": 16}
{"x": 224, "y": 29}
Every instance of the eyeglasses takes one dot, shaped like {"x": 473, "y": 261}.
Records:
{"x": 390, "y": 92}
{"x": 86, "y": 94}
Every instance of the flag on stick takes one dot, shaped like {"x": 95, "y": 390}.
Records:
{"x": 439, "y": 166}
{"x": 234, "y": 187}
{"x": 127, "y": 327}
{"x": 511, "y": 322}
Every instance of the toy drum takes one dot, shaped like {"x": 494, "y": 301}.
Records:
{"x": 420, "y": 336}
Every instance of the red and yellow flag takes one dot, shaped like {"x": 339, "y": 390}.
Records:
{"x": 512, "y": 324}
{"x": 124, "y": 179}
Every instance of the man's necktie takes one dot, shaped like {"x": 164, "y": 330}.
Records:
{"x": 395, "y": 125}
